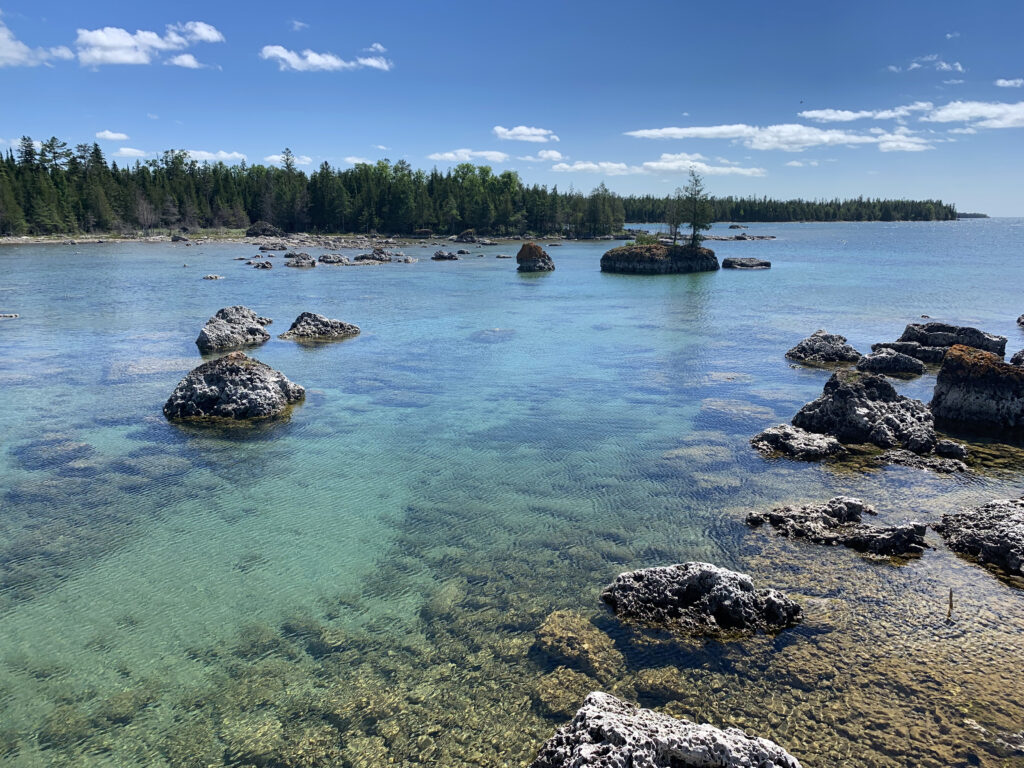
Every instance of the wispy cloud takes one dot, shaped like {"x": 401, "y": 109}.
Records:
{"x": 952, "y": 82}
{"x": 846, "y": 115}
{"x": 216, "y": 157}
{"x": 524, "y": 133}
{"x": 381, "y": 147}
{"x": 14, "y": 53}
{"x": 981, "y": 114}
{"x": 186, "y": 60}
{"x": 311, "y": 61}
{"x": 951, "y": 35}
{"x": 931, "y": 61}
{"x": 376, "y": 48}
{"x": 544, "y": 156}
{"x": 802, "y": 163}
{"x": 1016, "y": 82}
{"x": 668, "y": 163}
{"x": 353, "y": 160}
{"x": 114, "y": 45}
{"x": 298, "y": 26}
{"x": 111, "y": 135}
{"x": 278, "y": 159}
{"x": 468, "y": 156}
{"x": 130, "y": 152}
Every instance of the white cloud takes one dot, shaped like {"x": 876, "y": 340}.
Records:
{"x": 353, "y": 160}
{"x": 965, "y": 131}
{"x": 802, "y": 164}
{"x": 894, "y": 68}
{"x": 544, "y": 156}
{"x": 1016, "y": 82}
{"x": 846, "y": 115}
{"x": 952, "y": 82}
{"x": 376, "y": 48}
{"x": 951, "y": 35}
{"x": 14, "y": 53}
{"x": 215, "y": 157}
{"x": 468, "y": 156}
{"x": 311, "y": 61}
{"x": 130, "y": 152}
{"x": 525, "y": 133}
{"x": 152, "y": 116}
{"x": 278, "y": 159}
{"x": 913, "y": 65}
{"x": 667, "y": 163}
{"x": 111, "y": 135}
{"x": 943, "y": 66}
{"x": 983, "y": 114}
{"x": 298, "y": 26}
{"x": 932, "y": 61}
{"x": 381, "y": 147}
{"x": 186, "y": 60}
{"x": 584, "y": 166}
{"x": 114, "y": 45}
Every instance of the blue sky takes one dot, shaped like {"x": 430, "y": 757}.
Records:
{"x": 785, "y": 99}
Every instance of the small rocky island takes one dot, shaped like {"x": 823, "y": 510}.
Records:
{"x": 231, "y": 328}
{"x": 659, "y": 259}
{"x": 533, "y": 258}
{"x": 309, "y": 326}
{"x": 233, "y": 388}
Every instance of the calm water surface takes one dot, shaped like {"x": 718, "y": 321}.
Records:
{"x": 362, "y": 585}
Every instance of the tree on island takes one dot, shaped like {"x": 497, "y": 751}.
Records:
{"x": 697, "y": 207}
{"x": 674, "y": 215}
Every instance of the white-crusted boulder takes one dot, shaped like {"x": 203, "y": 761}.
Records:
{"x": 313, "y": 327}
{"x": 231, "y": 328}
{"x": 823, "y": 348}
{"x": 796, "y": 443}
{"x": 609, "y": 733}
{"x": 993, "y": 533}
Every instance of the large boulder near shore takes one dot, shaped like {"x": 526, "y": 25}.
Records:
{"x": 232, "y": 327}
{"x": 607, "y": 732}
{"x": 748, "y": 262}
{"x": 993, "y": 533}
{"x": 931, "y": 335}
{"x": 232, "y": 388}
{"x": 796, "y": 443}
{"x": 698, "y": 599}
{"x": 860, "y": 407}
{"x": 823, "y": 348}
{"x": 310, "y": 326}
{"x": 533, "y": 258}
{"x": 977, "y": 391}
{"x": 839, "y": 521}
{"x": 891, "y": 363}
{"x": 659, "y": 259}
{"x": 263, "y": 229}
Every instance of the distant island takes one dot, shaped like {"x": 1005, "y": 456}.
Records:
{"x": 51, "y": 189}
{"x": 972, "y": 215}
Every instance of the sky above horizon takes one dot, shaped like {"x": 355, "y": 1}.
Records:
{"x": 796, "y": 99}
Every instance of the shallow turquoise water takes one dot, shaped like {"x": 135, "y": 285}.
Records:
{"x": 501, "y": 444}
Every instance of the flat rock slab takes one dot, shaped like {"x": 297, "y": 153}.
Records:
{"x": 889, "y": 362}
{"x": 993, "y": 533}
{"x": 609, "y": 733}
{"x": 823, "y": 348}
{"x": 839, "y": 521}
{"x": 699, "y": 599}
{"x": 745, "y": 263}
{"x": 796, "y": 443}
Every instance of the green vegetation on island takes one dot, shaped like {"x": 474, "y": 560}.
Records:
{"x": 50, "y": 188}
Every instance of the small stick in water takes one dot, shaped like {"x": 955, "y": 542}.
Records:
{"x": 949, "y": 613}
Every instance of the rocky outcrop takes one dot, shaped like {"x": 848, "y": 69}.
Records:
{"x": 699, "y": 599}
{"x": 300, "y": 260}
{"x": 569, "y": 638}
{"x": 263, "y": 229}
{"x": 466, "y": 236}
{"x": 993, "y": 533}
{"x": 233, "y": 327}
{"x": 796, "y": 443}
{"x": 262, "y": 265}
{"x": 745, "y": 263}
{"x": 533, "y": 258}
{"x": 1020, "y": 321}
{"x": 945, "y": 335}
{"x": 823, "y": 348}
{"x": 931, "y": 461}
{"x": 658, "y": 259}
{"x": 839, "y": 521}
{"x": 864, "y": 408}
{"x": 607, "y": 732}
{"x": 333, "y": 258}
{"x": 232, "y": 388}
{"x": 929, "y": 355}
{"x": 444, "y": 256}
{"x": 1018, "y": 358}
{"x": 977, "y": 391}
{"x": 891, "y": 363}
{"x": 313, "y": 327}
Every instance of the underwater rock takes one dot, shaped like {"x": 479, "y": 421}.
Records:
{"x": 891, "y": 363}
{"x": 312, "y": 326}
{"x": 839, "y": 521}
{"x": 233, "y": 327}
{"x": 977, "y": 391}
{"x": 865, "y": 408}
{"x": 609, "y": 733}
{"x": 658, "y": 259}
{"x": 993, "y": 533}
{"x": 945, "y": 335}
{"x": 748, "y": 262}
{"x": 699, "y": 599}
{"x": 232, "y": 388}
{"x": 796, "y": 443}
{"x": 571, "y": 639}
{"x": 533, "y": 258}
{"x": 559, "y": 693}
{"x": 933, "y": 462}
{"x": 823, "y": 348}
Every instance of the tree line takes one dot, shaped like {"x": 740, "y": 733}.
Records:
{"x": 51, "y": 188}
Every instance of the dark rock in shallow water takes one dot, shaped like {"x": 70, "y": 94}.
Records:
{"x": 891, "y": 363}
{"x": 466, "y": 236}
{"x": 839, "y": 521}
{"x": 658, "y": 260}
{"x": 609, "y": 733}
{"x": 313, "y": 327}
{"x": 945, "y": 335}
{"x": 822, "y": 348}
{"x": 1017, "y": 359}
{"x": 263, "y": 229}
{"x": 930, "y": 355}
{"x": 699, "y": 599}
{"x": 745, "y": 263}
{"x": 333, "y": 258}
{"x": 976, "y": 390}
{"x": 864, "y": 408}
{"x": 952, "y": 450}
{"x": 796, "y": 443}
{"x": 444, "y": 256}
{"x": 533, "y": 258}
{"x": 232, "y": 388}
{"x": 993, "y": 533}
{"x": 903, "y": 458}
{"x": 263, "y": 265}
{"x": 233, "y": 327}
